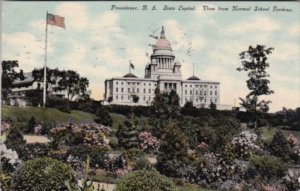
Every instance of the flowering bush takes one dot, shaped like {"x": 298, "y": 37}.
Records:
{"x": 148, "y": 142}
{"x": 122, "y": 171}
{"x": 5, "y": 126}
{"x": 78, "y": 134}
{"x": 9, "y": 158}
{"x": 292, "y": 140}
{"x": 244, "y": 144}
{"x": 38, "y": 129}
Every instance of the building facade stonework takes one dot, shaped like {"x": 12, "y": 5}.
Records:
{"x": 163, "y": 72}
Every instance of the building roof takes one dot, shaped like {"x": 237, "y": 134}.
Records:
{"x": 162, "y": 42}
{"x": 193, "y": 78}
{"x": 129, "y": 75}
{"x": 28, "y": 78}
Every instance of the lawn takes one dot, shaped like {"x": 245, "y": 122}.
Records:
{"x": 23, "y": 114}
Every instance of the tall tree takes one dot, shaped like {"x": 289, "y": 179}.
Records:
{"x": 73, "y": 84}
{"x": 254, "y": 61}
{"x": 8, "y": 76}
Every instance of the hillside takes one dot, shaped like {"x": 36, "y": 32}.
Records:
{"x": 22, "y": 114}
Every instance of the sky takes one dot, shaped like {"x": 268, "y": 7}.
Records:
{"x": 99, "y": 42}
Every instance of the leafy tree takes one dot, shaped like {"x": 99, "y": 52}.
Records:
{"x": 42, "y": 174}
{"x": 212, "y": 106}
{"x": 279, "y": 146}
{"x": 145, "y": 180}
{"x": 73, "y": 84}
{"x": 173, "y": 151}
{"x": 188, "y": 104}
{"x": 8, "y": 76}
{"x": 52, "y": 75}
{"x": 254, "y": 61}
{"x": 135, "y": 98}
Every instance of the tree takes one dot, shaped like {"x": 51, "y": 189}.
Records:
{"x": 128, "y": 135}
{"x": 103, "y": 117}
{"x": 30, "y": 125}
{"x": 172, "y": 152}
{"x": 43, "y": 174}
{"x": 8, "y": 76}
{"x": 212, "y": 106}
{"x": 73, "y": 84}
{"x": 135, "y": 98}
{"x": 254, "y": 61}
{"x": 279, "y": 146}
{"x": 145, "y": 180}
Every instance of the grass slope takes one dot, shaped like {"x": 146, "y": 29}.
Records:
{"x": 23, "y": 114}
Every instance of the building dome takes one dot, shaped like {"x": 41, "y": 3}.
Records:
{"x": 193, "y": 78}
{"x": 129, "y": 75}
{"x": 162, "y": 42}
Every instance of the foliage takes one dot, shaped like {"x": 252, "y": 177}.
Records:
{"x": 73, "y": 84}
{"x": 80, "y": 134}
{"x": 291, "y": 180}
{"x": 148, "y": 142}
{"x": 127, "y": 134}
{"x": 8, "y": 76}
{"x": 145, "y": 180}
{"x": 98, "y": 156}
{"x": 31, "y": 151}
{"x": 103, "y": 117}
{"x": 42, "y": 174}
{"x": 265, "y": 168}
{"x": 15, "y": 140}
{"x": 172, "y": 151}
{"x": 244, "y": 144}
{"x": 141, "y": 163}
{"x": 135, "y": 98}
{"x": 5, "y": 126}
{"x": 212, "y": 106}
{"x": 166, "y": 105}
{"x": 30, "y": 125}
{"x": 59, "y": 103}
{"x": 188, "y": 104}
{"x": 254, "y": 61}
{"x": 279, "y": 146}
{"x": 9, "y": 159}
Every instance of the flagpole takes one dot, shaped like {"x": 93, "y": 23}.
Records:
{"x": 45, "y": 64}
{"x": 129, "y": 67}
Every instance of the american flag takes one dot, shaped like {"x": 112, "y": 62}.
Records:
{"x": 56, "y": 20}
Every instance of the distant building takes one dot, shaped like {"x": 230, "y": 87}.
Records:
{"x": 22, "y": 86}
{"x": 163, "y": 72}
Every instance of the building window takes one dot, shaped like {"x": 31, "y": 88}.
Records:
{"x": 144, "y": 91}
{"x": 216, "y": 87}
{"x": 132, "y": 90}
{"x": 185, "y": 85}
{"x": 129, "y": 97}
{"x": 191, "y": 92}
{"x": 200, "y": 86}
{"x": 205, "y": 93}
{"x": 196, "y": 92}
{"x": 128, "y": 90}
{"x": 116, "y": 97}
{"x": 200, "y": 92}
{"x": 122, "y": 83}
{"x": 121, "y": 97}
{"x": 216, "y": 100}
{"x": 122, "y": 90}
{"x": 185, "y": 92}
{"x": 149, "y": 84}
{"x": 216, "y": 92}
{"x": 210, "y": 92}
{"x": 128, "y": 83}
{"x": 190, "y": 85}
{"x": 138, "y": 90}
{"x": 144, "y": 98}
{"x": 149, "y": 90}
{"x": 155, "y": 85}
{"x": 116, "y": 89}
{"x": 117, "y": 83}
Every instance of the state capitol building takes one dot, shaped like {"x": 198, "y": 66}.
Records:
{"x": 164, "y": 73}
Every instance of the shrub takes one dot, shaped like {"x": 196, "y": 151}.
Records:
{"x": 141, "y": 164}
{"x": 279, "y": 146}
{"x": 59, "y": 103}
{"x": 30, "y": 125}
{"x": 103, "y": 117}
{"x": 97, "y": 155}
{"x": 266, "y": 168}
{"x": 42, "y": 174}
{"x": 15, "y": 140}
{"x": 145, "y": 180}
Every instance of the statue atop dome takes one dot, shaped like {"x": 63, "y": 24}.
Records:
{"x": 162, "y": 33}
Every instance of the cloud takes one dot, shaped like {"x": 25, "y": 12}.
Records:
{"x": 26, "y": 48}
{"x": 294, "y": 30}
{"x": 253, "y": 25}
{"x": 75, "y": 15}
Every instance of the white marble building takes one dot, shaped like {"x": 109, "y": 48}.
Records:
{"x": 164, "y": 73}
